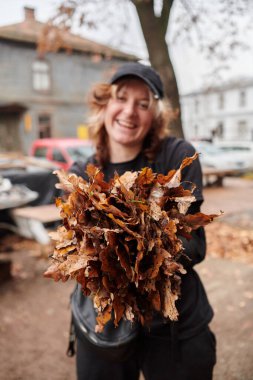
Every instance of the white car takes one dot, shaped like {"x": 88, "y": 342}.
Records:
{"x": 242, "y": 149}
{"x": 213, "y": 157}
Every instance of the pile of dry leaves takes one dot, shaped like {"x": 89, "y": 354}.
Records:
{"x": 230, "y": 242}
{"x": 121, "y": 240}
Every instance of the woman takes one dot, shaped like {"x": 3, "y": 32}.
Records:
{"x": 128, "y": 124}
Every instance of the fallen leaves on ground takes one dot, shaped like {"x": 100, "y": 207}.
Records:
{"x": 230, "y": 242}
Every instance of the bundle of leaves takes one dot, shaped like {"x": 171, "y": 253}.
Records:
{"x": 121, "y": 240}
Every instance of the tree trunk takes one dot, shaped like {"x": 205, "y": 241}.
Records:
{"x": 154, "y": 31}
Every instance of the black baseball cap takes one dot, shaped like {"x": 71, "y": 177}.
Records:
{"x": 146, "y": 73}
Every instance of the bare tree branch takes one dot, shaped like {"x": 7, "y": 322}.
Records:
{"x": 212, "y": 27}
{"x": 167, "y": 5}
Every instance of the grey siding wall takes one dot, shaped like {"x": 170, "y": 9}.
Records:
{"x": 71, "y": 78}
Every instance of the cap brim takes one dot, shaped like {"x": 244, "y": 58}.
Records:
{"x": 118, "y": 76}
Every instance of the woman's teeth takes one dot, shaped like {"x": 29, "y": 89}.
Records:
{"x": 126, "y": 124}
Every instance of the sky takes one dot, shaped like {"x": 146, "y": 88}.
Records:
{"x": 191, "y": 68}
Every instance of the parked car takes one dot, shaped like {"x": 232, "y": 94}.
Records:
{"x": 62, "y": 151}
{"x": 213, "y": 157}
{"x": 243, "y": 149}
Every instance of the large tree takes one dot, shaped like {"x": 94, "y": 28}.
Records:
{"x": 154, "y": 29}
{"x": 154, "y": 17}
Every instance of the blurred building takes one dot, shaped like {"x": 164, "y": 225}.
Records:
{"x": 221, "y": 113}
{"x": 43, "y": 95}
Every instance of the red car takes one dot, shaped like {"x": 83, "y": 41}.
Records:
{"x": 62, "y": 152}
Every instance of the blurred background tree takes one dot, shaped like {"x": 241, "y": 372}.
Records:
{"x": 215, "y": 28}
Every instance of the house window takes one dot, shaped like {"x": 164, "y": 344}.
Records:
{"x": 41, "y": 75}
{"x": 221, "y": 101}
{"x": 242, "y": 129}
{"x": 196, "y": 105}
{"x": 45, "y": 126}
{"x": 220, "y": 130}
{"x": 242, "y": 99}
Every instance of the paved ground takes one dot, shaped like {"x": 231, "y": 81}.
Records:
{"x": 234, "y": 197}
{"x": 229, "y": 284}
{"x": 34, "y": 312}
{"x": 229, "y": 287}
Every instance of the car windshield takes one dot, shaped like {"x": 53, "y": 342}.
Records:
{"x": 235, "y": 148}
{"x": 77, "y": 152}
{"x": 209, "y": 149}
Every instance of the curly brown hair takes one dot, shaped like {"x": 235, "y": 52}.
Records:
{"x": 97, "y": 101}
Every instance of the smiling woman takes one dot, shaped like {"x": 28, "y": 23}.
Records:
{"x": 129, "y": 124}
{"x": 128, "y": 113}
{"x": 128, "y": 118}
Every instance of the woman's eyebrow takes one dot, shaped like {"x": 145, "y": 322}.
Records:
{"x": 123, "y": 91}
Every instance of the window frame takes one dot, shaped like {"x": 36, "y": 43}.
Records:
{"x": 221, "y": 101}
{"x": 41, "y": 77}
{"x": 43, "y": 123}
{"x": 242, "y": 98}
{"x": 242, "y": 128}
